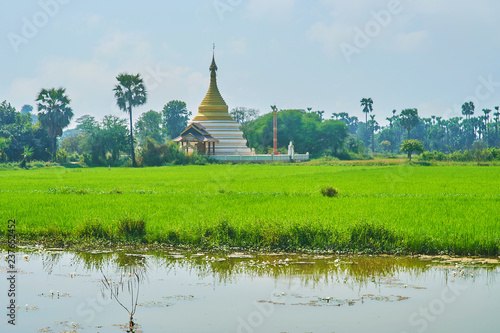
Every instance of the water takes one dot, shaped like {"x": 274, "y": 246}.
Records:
{"x": 61, "y": 291}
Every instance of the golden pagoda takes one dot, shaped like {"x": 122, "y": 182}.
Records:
{"x": 213, "y": 106}
{"x": 213, "y": 115}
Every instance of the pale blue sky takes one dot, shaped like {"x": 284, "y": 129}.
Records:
{"x": 428, "y": 54}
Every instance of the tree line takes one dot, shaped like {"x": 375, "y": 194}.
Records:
{"x": 115, "y": 140}
{"x": 346, "y": 137}
{"x": 112, "y": 141}
{"x": 436, "y": 133}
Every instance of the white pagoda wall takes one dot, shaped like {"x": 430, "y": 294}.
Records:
{"x": 231, "y": 141}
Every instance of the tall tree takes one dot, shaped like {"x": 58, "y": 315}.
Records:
{"x": 175, "y": 118}
{"x": 468, "y": 109}
{"x": 373, "y": 127}
{"x": 54, "y": 113}
{"x": 331, "y": 135}
{"x": 26, "y": 109}
{"x": 320, "y": 114}
{"x": 486, "y": 118}
{"x": 4, "y": 143}
{"x": 114, "y": 132}
{"x": 367, "y": 104}
{"x": 130, "y": 92}
{"x": 243, "y": 115}
{"x": 149, "y": 126}
{"x": 409, "y": 119}
{"x": 497, "y": 117}
{"x": 103, "y": 141}
{"x": 412, "y": 146}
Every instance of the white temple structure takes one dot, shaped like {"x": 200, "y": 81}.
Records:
{"x": 215, "y": 132}
{"x": 213, "y": 115}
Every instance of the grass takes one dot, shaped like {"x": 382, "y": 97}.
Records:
{"x": 402, "y": 208}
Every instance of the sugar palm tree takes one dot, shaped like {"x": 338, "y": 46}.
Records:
{"x": 130, "y": 92}
{"x": 486, "y": 119}
{"x": 54, "y": 113}
{"x": 468, "y": 109}
{"x": 367, "y": 104}
{"x": 497, "y": 115}
{"x": 374, "y": 127}
{"x": 409, "y": 119}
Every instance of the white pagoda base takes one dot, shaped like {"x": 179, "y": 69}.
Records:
{"x": 231, "y": 141}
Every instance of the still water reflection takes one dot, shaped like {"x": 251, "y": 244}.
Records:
{"x": 60, "y": 291}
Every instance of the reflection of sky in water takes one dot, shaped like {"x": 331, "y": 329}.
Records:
{"x": 258, "y": 294}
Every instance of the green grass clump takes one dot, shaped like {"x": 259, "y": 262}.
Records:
{"x": 372, "y": 238}
{"x": 329, "y": 192}
{"x": 92, "y": 229}
{"x": 131, "y": 228}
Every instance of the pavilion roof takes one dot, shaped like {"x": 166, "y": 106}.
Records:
{"x": 195, "y": 132}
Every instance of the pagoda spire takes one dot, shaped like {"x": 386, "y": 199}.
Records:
{"x": 213, "y": 66}
{"x": 213, "y": 106}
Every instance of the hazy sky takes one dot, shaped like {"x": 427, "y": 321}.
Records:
{"x": 324, "y": 54}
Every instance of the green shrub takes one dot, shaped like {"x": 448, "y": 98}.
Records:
{"x": 427, "y": 156}
{"x": 165, "y": 154}
{"x": 329, "y": 192}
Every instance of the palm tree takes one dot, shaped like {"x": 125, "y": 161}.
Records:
{"x": 367, "y": 104}
{"x": 409, "y": 119}
{"x": 130, "y": 92}
{"x": 374, "y": 127}
{"x": 54, "y": 113}
{"x": 486, "y": 118}
{"x": 389, "y": 119}
{"x": 497, "y": 115}
{"x": 468, "y": 109}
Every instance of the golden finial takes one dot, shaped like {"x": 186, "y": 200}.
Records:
{"x": 213, "y": 66}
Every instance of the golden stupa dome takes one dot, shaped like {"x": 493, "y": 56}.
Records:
{"x": 213, "y": 106}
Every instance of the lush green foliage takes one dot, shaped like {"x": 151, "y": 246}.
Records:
{"x": 306, "y": 130}
{"x": 18, "y": 132}
{"x": 438, "y": 134}
{"x": 412, "y": 146}
{"x": 149, "y": 125}
{"x": 409, "y": 119}
{"x": 175, "y": 118}
{"x": 169, "y": 153}
{"x": 54, "y": 113}
{"x": 469, "y": 155}
{"x": 243, "y": 115}
{"x": 392, "y": 209}
{"x": 98, "y": 143}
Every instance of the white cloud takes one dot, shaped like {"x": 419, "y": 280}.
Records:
{"x": 330, "y": 36}
{"x": 238, "y": 46}
{"x": 275, "y": 10}
{"x": 129, "y": 48}
{"x": 417, "y": 41}
{"x": 89, "y": 81}
{"x": 94, "y": 22}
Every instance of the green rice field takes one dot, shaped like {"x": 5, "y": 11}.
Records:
{"x": 379, "y": 209}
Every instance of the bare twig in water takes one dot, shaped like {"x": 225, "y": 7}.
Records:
{"x": 115, "y": 291}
